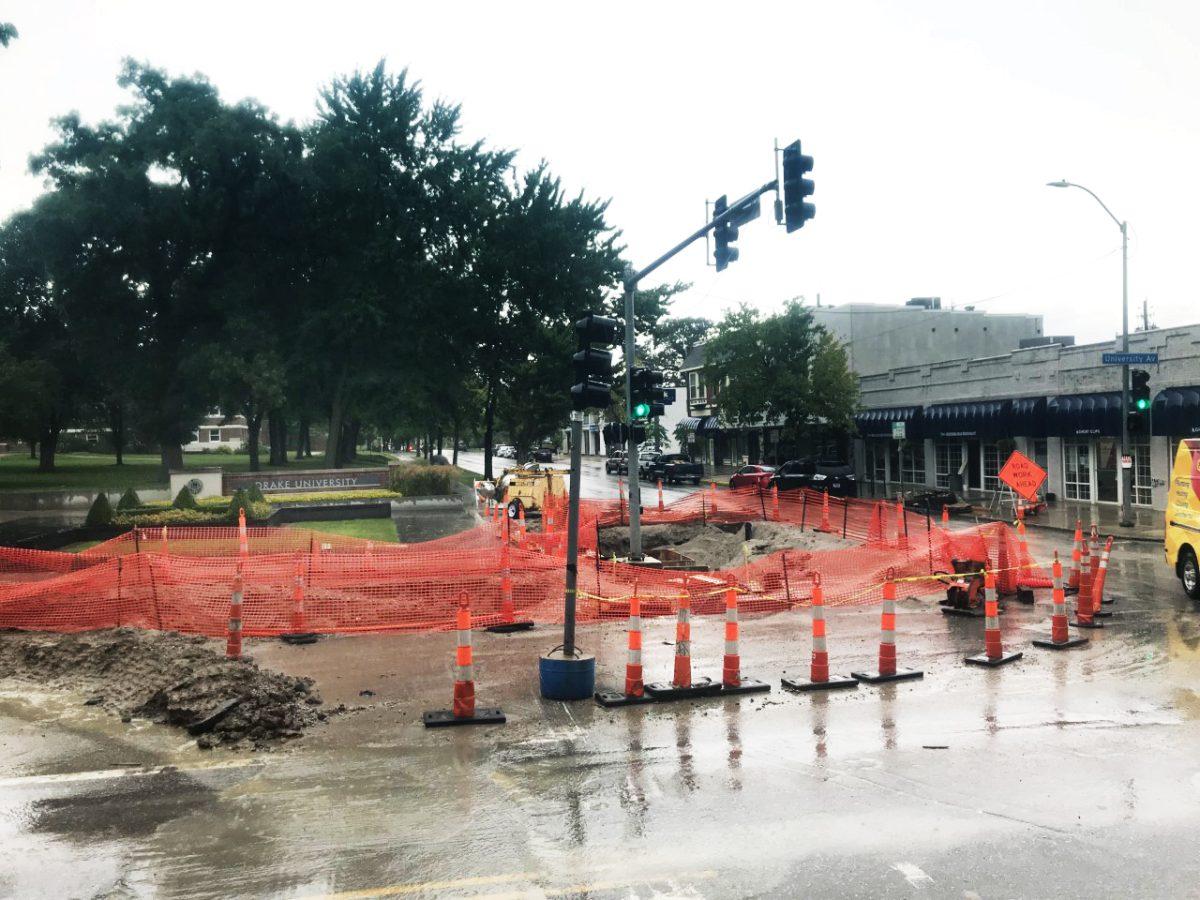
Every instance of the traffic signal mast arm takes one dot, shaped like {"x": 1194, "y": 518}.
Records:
{"x": 732, "y": 215}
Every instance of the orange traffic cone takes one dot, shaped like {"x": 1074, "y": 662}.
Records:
{"x": 945, "y": 514}
{"x": 824, "y": 512}
{"x": 732, "y": 681}
{"x": 993, "y": 651}
{"x": 660, "y": 496}
{"x": 508, "y": 615}
{"x": 682, "y": 684}
{"x": 1084, "y": 617}
{"x": 243, "y": 537}
{"x": 775, "y": 502}
{"x": 299, "y": 633}
{"x": 712, "y": 506}
{"x": 1076, "y": 559}
{"x": 635, "y": 691}
{"x": 1098, "y": 601}
{"x": 819, "y": 679}
{"x": 887, "y": 641}
{"x": 463, "y": 710}
{"x": 1060, "y": 639}
{"x": 233, "y": 636}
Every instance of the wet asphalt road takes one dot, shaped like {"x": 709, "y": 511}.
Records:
{"x": 1073, "y": 774}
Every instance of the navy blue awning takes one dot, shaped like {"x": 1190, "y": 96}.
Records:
{"x": 970, "y": 419}
{"x": 1029, "y": 417}
{"x": 1176, "y": 412}
{"x": 877, "y": 423}
{"x": 689, "y": 423}
{"x": 1079, "y": 415}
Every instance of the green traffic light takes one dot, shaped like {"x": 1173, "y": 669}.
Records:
{"x": 1142, "y": 403}
{"x": 641, "y": 411}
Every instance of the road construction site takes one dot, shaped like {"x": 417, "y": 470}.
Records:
{"x": 1069, "y": 773}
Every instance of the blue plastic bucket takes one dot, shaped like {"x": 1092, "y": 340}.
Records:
{"x": 567, "y": 678}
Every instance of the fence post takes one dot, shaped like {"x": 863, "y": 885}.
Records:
{"x": 845, "y": 515}
{"x": 787, "y": 588}
{"x": 762, "y": 502}
{"x": 803, "y": 507}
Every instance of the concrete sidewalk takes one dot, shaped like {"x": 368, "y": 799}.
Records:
{"x": 1062, "y": 516}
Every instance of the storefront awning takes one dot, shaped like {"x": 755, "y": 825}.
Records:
{"x": 969, "y": 419}
{"x": 690, "y": 423}
{"x": 1176, "y": 412}
{"x": 1029, "y": 417}
{"x": 877, "y": 423}
{"x": 700, "y": 424}
{"x": 1079, "y": 415}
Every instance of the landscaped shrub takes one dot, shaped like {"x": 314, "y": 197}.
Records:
{"x": 239, "y": 500}
{"x": 256, "y": 495}
{"x": 423, "y": 481}
{"x": 129, "y": 500}
{"x": 185, "y": 499}
{"x": 101, "y": 512}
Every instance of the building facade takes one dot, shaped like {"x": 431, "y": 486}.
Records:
{"x": 218, "y": 431}
{"x": 1059, "y": 404}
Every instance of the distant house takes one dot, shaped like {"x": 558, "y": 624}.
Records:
{"x": 218, "y": 431}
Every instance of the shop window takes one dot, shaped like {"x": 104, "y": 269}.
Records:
{"x": 912, "y": 462}
{"x": 991, "y": 467}
{"x": 1077, "y": 470}
{"x": 947, "y": 460}
{"x": 1142, "y": 494}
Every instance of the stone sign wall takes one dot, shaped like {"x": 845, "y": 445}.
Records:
{"x": 311, "y": 480}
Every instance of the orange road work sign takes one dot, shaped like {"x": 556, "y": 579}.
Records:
{"x": 1023, "y": 475}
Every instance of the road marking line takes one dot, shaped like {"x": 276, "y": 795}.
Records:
{"x": 396, "y": 890}
{"x": 914, "y": 875}
{"x": 567, "y": 890}
{"x": 102, "y": 774}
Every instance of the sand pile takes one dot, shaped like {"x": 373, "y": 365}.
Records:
{"x": 168, "y": 678}
{"x": 721, "y": 546}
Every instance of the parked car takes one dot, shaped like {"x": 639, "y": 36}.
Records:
{"x": 506, "y": 451}
{"x": 751, "y": 476}
{"x": 672, "y": 468}
{"x": 818, "y": 474}
{"x": 616, "y": 463}
{"x": 543, "y": 454}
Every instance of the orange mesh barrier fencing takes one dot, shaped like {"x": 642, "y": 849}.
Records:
{"x": 353, "y": 585}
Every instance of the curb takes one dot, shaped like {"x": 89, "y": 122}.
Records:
{"x": 1061, "y": 529}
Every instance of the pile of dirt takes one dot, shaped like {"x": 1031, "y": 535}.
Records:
{"x": 170, "y": 678}
{"x": 720, "y": 546}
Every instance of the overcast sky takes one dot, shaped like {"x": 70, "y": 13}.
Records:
{"x": 934, "y": 126}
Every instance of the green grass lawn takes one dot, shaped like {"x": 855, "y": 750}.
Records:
{"x": 380, "y": 530}
{"x": 79, "y": 546}
{"x": 98, "y": 471}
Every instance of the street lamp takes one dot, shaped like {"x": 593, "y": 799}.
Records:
{"x": 1126, "y": 474}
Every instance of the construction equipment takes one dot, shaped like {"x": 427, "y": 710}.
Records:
{"x": 525, "y": 487}
{"x": 964, "y": 587}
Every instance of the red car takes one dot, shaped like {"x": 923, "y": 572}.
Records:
{"x": 751, "y": 476}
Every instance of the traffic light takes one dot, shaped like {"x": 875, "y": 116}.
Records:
{"x": 796, "y": 188}
{"x": 647, "y": 394}
{"x": 593, "y": 366}
{"x": 724, "y": 235}
{"x": 1139, "y": 400}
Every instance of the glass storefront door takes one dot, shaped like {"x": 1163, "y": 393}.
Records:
{"x": 1107, "y": 460}
{"x": 1077, "y": 470}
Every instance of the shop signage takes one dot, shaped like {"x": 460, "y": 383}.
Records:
{"x": 1023, "y": 475}
{"x": 898, "y": 431}
{"x": 314, "y": 480}
{"x": 1129, "y": 359}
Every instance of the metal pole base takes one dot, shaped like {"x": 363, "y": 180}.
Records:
{"x": 444, "y": 718}
{"x": 509, "y": 627}
{"x": 703, "y": 687}
{"x": 982, "y": 659}
{"x": 747, "y": 686}
{"x": 898, "y": 675}
{"x": 1078, "y": 624}
{"x": 1065, "y": 645}
{"x": 609, "y": 699}
{"x": 833, "y": 683}
{"x": 1025, "y": 595}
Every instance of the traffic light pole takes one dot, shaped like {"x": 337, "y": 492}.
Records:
{"x": 631, "y": 282}
{"x": 1126, "y": 449}
{"x": 573, "y": 536}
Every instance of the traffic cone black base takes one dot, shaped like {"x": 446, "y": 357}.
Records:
{"x": 609, "y": 699}
{"x": 509, "y": 627}
{"x": 1078, "y": 624}
{"x": 962, "y": 613}
{"x": 835, "y": 682}
{"x": 748, "y": 686}
{"x": 1025, "y": 595}
{"x": 484, "y": 715}
{"x": 898, "y": 675}
{"x": 1047, "y": 644}
{"x": 700, "y": 687}
{"x": 982, "y": 659}
{"x": 1102, "y": 614}
{"x": 304, "y": 637}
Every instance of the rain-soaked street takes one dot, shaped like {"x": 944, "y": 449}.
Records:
{"x": 1072, "y": 774}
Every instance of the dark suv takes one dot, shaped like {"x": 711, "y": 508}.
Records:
{"x": 818, "y": 474}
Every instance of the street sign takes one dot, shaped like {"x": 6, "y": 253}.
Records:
{"x": 1129, "y": 359}
{"x": 1126, "y": 462}
{"x": 898, "y": 431}
{"x": 1023, "y": 475}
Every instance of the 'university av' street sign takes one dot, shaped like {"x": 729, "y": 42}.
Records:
{"x": 1129, "y": 359}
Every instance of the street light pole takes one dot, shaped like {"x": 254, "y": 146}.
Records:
{"x": 1126, "y": 520}
{"x": 631, "y": 459}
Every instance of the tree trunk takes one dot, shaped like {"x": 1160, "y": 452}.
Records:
{"x": 48, "y": 446}
{"x": 116, "y": 421}
{"x": 455, "y": 439}
{"x": 254, "y": 428}
{"x": 439, "y": 442}
{"x": 303, "y": 439}
{"x": 172, "y": 458}
{"x": 337, "y": 416}
{"x": 277, "y": 429}
{"x": 33, "y": 449}
{"x": 489, "y": 424}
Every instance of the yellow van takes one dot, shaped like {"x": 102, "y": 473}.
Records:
{"x": 1182, "y": 536}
